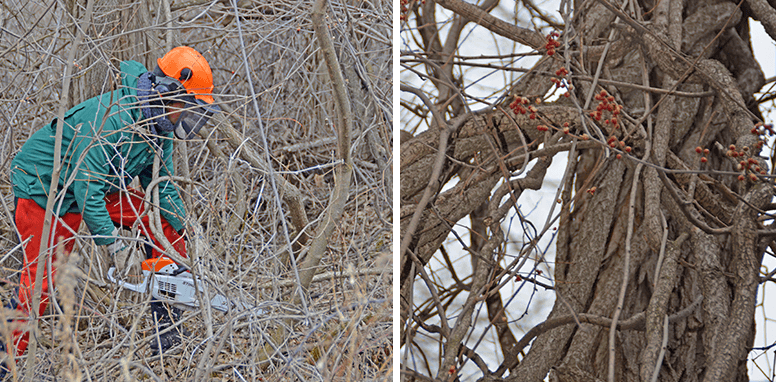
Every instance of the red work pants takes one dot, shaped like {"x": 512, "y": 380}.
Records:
{"x": 124, "y": 209}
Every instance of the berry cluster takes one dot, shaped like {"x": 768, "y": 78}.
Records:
{"x": 606, "y": 103}
{"x": 703, "y": 152}
{"x": 551, "y": 43}
{"x": 521, "y": 106}
{"x": 760, "y": 130}
{"x": 745, "y": 165}
{"x": 562, "y": 72}
{"x": 614, "y": 143}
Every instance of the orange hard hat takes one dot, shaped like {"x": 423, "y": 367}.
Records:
{"x": 189, "y": 67}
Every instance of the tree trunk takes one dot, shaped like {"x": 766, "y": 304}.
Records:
{"x": 651, "y": 232}
{"x": 118, "y": 35}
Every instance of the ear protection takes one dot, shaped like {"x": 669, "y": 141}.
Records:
{"x": 169, "y": 88}
{"x": 196, "y": 113}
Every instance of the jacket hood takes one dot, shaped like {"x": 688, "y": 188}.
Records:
{"x": 130, "y": 71}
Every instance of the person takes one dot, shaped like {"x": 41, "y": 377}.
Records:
{"x": 107, "y": 141}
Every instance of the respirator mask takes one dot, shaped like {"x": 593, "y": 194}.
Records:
{"x": 195, "y": 112}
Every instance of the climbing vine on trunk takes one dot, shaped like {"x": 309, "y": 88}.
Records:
{"x": 652, "y": 111}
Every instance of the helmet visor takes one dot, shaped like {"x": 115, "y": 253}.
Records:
{"x": 196, "y": 115}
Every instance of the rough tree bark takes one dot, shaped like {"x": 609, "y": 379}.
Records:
{"x": 658, "y": 245}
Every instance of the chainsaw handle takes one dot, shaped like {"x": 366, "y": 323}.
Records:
{"x": 181, "y": 269}
{"x": 140, "y": 288}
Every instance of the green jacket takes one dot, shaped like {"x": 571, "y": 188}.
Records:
{"x": 103, "y": 150}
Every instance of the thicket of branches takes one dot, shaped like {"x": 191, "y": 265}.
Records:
{"x": 662, "y": 204}
{"x": 288, "y": 194}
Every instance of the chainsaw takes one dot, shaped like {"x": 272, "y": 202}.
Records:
{"x": 169, "y": 282}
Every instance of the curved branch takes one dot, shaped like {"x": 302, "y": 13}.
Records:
{"x": 438, "y": 118}
{"x": 431, "y": 188}
{"x": 766, "y": 14}
{"x": 494, "y": 24}
{"x": 344, "y": 172}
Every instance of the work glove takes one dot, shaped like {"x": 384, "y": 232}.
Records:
{"x": 124, "y": 255}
